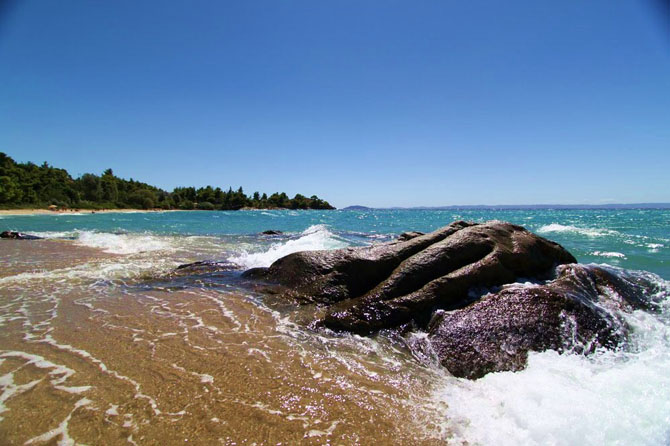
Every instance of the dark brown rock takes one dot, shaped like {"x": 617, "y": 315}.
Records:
{"x": 580, "y": 310}
{"x": 206, "y": 266}
{"x": 272, "y": 232}
{"x": 386, "y": 285}
{"x": 18, "y": 236}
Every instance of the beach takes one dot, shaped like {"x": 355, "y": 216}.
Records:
{"x": 40, "y": 211}
{"x": 104, "y": 340}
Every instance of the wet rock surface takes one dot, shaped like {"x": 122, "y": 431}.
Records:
{"x": 579, "y": 311}
{"x": 18, "y": 236}
{"x": 272, "y": 232}
{"x": 386, "y": 285}
{"x": 206, "y": 266}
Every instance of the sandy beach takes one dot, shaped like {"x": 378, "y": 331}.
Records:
{"x": 78, "y": 211}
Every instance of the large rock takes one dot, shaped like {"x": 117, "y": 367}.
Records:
{"x": 386, "y": 285}
{"x": 580, "y": 310}
{"x": 461, "y": 283}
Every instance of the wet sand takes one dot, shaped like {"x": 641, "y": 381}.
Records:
{"x": 99, "y": 358}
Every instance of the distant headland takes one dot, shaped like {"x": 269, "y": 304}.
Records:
{"x": 27, "y": 185}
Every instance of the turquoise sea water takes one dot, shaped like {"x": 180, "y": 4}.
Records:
{"x": 619, "y": 397}
{"x": 632, "y": 239}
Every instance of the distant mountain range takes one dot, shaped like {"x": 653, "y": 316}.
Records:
{"x": 525, "y": 206}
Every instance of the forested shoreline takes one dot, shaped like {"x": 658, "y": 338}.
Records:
{"x": 27, "y": 185}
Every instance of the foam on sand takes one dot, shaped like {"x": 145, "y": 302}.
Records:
{"x": 123, "y": 243}
{"x": 113, "y": 243}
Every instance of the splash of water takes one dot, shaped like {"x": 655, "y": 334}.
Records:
{"x": 314, "y": 238}
{"x": 612, "y": 397}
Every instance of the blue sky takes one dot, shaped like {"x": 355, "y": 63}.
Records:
{"x": 379, "y": 103}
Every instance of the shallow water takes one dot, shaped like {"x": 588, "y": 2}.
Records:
{"x": 99, "y": 344}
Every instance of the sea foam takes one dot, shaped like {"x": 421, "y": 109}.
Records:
{"x": 589, "y": 232}
{"x": 611, "y": 397}
{"x": 611, "y": 254}
{"x": 123, "y": 243}
{"x": 112, "y": 243}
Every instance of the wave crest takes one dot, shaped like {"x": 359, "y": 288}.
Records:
{"x": 611, "y": 397}
{"x": 314, "y": 238}
{"x": 589, "y": 232}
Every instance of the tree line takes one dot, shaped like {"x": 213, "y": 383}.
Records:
{"x": 30, "y": 185}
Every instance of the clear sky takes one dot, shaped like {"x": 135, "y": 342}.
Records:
{"x": 378, "y": 103}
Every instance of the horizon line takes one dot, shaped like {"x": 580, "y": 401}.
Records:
{"x": 640, "y": 205}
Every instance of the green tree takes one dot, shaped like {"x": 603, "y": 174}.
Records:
{"x": 143, "y": 198}
{"x": 10, "y": 192}
{"x": 91, "y": 187}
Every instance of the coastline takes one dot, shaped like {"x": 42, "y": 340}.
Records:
{"x": 80, "y": 211}
{"x": 41, "y": 211}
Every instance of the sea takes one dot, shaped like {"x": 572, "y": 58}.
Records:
{"x": 104, "y": 342}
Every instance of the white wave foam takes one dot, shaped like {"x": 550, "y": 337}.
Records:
{"x": 611, "y": 254}
{"x": 56, "y": 234}
{"x": 123, "y": 243}
{"x": 105, "y": 270}
{"x": 612, "y": 398}
{"x": 112, "y": 243}
{"x": 589, "y": 232}
{"x": 316, "y": 237}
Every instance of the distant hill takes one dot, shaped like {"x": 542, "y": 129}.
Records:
{"x": 356, "y": 207}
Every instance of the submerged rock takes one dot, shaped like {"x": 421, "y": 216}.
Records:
{"x": 18, "y": 236}
{"x": 386, "y": 285}
{"x": 272, "y": 232}
{"x": 205, "y": 266}
{"x": 578, "y": 311}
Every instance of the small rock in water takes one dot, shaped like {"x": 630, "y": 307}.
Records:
{"x": 18, "y": 236}
{"x": 206, "y": 266}
{"x": 409, "y": 235}
{"x": 272, "y": 232}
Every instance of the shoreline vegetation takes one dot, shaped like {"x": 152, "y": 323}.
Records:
{"x": 43, "y": 211}
{"x": 26, "y": 188}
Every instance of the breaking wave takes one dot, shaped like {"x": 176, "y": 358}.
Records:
{"x": 611, "y": 254}
{"x": 113, "y": 243}
{"x": 589, "y": 232}
{"x": 314, "y": 238}
{"x": 611, "y": 397}
{"x": 123, "y": 243}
